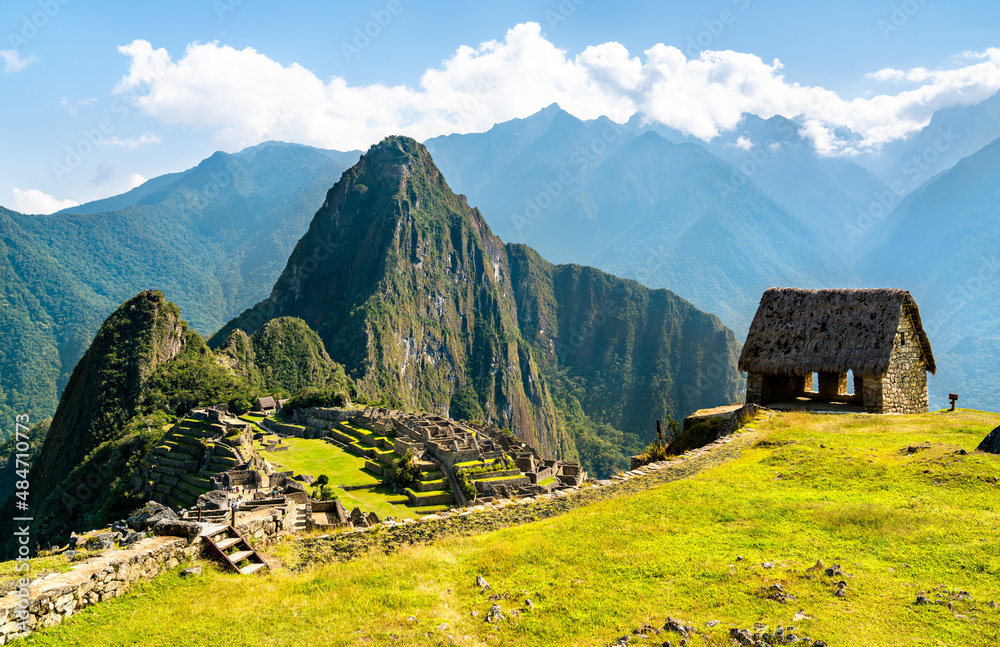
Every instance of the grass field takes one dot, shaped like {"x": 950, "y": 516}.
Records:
{"x": 888, "y": 498}
{"x": 314, "y": 456}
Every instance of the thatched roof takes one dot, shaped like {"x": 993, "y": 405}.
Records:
{"x": 798, "y": 332}
{"x": 265, "y": 403}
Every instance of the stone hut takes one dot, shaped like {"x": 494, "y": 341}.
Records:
{"x": 266, "y": 405}
{"x": 876, "y": 334}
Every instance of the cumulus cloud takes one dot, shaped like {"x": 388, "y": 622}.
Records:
{"x": 136, "y": 180}
{"x": 14, "y": 62}
{"x": 246, "y": 97}
{"x": 34, "y": 201}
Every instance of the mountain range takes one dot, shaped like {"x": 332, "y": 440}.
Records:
{"x": 409, "y": 289}
{"x": 715, "y": 222}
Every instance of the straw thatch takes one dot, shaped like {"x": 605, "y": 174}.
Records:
{"x": 798, "y": 332}
{"x": 266, "y": 403}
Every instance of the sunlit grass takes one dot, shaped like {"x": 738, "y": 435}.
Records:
{"x": 843, "y": 489}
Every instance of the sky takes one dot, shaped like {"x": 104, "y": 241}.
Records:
{"x": 99, "y": 96}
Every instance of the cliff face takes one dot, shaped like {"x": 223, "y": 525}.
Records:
{"x": 105, "y": 389}
{"x": 410, "y": 290}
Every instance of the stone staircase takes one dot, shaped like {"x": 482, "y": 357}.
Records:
{"x": 232, "y": 549}
{"x": 299, "y": 518}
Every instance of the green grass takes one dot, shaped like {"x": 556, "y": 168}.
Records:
{"x": 843, "y": 489}
{"x": 314, "y": 456}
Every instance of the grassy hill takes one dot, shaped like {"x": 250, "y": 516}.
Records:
{"x": 891, "y": 500}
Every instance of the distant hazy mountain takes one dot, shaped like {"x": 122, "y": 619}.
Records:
{"x": 213, "y": 238}
{"x": 829, "y": 194}
{"x": 944, "y": 246}
{"x": 952, "y": 134}
{"x": 637, "y": 205}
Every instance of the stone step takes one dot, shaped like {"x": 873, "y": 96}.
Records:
{"x": 197, "y": 481}
{"x": 193, "y": 490}
{"x": 186, "y": 465}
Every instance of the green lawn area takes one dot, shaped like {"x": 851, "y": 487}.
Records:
{"x": 888, "y": 498}
{"x": 378, "y": 501}
{"x": 314, "y": 456}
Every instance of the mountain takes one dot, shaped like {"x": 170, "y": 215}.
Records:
{"x": 213, "y": 238}
{"x": 105, "y": 393}
{"x": 942, "y": 245}
{"x": 829, "y": 194}
{"x": 144, "y": 368}
{"x": 637, "y": 205}
{"x": 952, "y": 134}
{"x": 426, "y": 307}
{"x": 285, "y": 356}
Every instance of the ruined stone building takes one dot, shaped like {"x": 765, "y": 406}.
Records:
{"x": 876, "y": 334}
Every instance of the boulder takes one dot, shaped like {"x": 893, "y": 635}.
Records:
{"x": 213, "y": 500}
{"x": 192, "y": 571}
{"x": 358, "y": 519}
{"x": 131, "y": 538}
{"x": 149, "y": 515}
{"x": 103, "y": 541}
{"x": 990, "y": 444}
{"x": 178, "y": 528}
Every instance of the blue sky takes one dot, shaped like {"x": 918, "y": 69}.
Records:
{"x": 210, "y": 74}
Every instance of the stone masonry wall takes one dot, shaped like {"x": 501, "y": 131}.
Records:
{"x": 904, "y": 387}
{"x": 57, "y": 596}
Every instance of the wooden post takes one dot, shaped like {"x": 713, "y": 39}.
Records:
{"x": 954, "y": 398}
{"x": 234, "y": 517}
{"x": 199, "y": 513}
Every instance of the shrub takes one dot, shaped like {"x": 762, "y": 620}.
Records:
{"x": 403, "y": 472}
{"x": 465, "y": 484}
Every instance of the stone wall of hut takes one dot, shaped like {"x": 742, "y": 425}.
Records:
{"x": 904, "y": 387}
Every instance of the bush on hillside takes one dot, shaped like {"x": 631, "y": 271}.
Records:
{"x": 403, "y": 472}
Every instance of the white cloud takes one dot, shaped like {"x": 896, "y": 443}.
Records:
{"x": 136, "y": 180}
{"x": 246, "y": 98}
{"x": 34, "y": 201}
{"x": 13, "y": 62}
{"x": 743, "y": 143}
{"x": 71, "y": 108}
{"x": 132, "y": 142}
